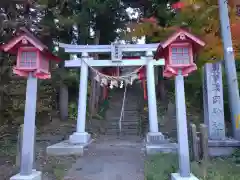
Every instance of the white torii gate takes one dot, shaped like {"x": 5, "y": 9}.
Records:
{"x": 81, "y": 136}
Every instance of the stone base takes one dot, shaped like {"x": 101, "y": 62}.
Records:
{"x": 66, "y": 148}
{"x": 176, "y": 176}
{"x": 80, "y": 138}
{"x": 155, "y": 138}
{"x": 36, "y": 175}
{"x": 220, "y": 151}
{"x": 163, "y": 148}
{"x": 222, "y": 147}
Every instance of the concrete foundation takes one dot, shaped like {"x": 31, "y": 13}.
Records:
{"x": 176, "y": 176}
{"x": 222, "y": 147}
{"x": 164, "y": 148}
{"x": 156, "y": 143}
{"x": 220, "y": 151}
{"x": 36, "y": 175}
{"x": 155, "y": 138}
{"x": 66, "y": 148}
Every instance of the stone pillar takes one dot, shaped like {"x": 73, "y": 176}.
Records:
{"x": 154, "y": 134}
{"x": 80, "y": 136}
{"x": 28, "y": 141}
{"x": 213, "y": 101}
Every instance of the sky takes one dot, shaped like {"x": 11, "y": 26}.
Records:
{"x": 135, "y": 15}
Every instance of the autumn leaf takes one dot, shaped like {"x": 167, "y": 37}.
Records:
{"x": 200, "y": 17}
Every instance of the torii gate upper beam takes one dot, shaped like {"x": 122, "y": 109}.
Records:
{"x": 71, "y": 48}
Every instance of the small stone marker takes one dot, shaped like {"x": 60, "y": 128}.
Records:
{"x": 195, "y": 148}
{"x": 213, "y": 100}
{"x": 204, "y": 142}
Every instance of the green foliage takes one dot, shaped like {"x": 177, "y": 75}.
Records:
{"x": 73, "y": 110}
{"x": 104, "y": 105}
{"x": 236, "y": 156}
{"x": 217, "y": 169}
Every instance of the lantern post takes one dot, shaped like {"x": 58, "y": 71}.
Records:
{"x": 179, "y": 50}
{"x": 32, "y": 63}
{"x": 183, "y": 148}
{"x": 28, "y": 141}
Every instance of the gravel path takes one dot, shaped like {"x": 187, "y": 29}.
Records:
{"x": 110, "y": 158}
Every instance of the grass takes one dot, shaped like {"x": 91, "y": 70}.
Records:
{"x": 160, "y": 167}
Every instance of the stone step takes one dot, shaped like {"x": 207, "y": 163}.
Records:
{"x": 125, "y": 118}
{"x": 122, "y": 133}
{"x": 118, "y": 112}
{"x": 164, "y": 148}
{"x": 125, "y": 112}
{"x": 123, "y": 123}
{"x": 126, "y": 106}
{"x": 123, "y": 127}
{"x": 126, "y": 122}
{"x": 111, "y": 132}
{"x": 128, "y": 125}
{"x": 118, "y": 102}
{"x": 115, "y": 111}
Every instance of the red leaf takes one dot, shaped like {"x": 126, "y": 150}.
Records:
{"x": 178, "y": 5}
{"x": 152, "y": 20}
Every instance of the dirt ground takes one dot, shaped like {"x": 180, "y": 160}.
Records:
{"x": 53, "y": 168}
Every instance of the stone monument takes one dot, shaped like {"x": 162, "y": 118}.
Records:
{"x": 213, "y": 101}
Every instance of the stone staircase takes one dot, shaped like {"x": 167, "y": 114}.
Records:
{"x": 130, "y": 120}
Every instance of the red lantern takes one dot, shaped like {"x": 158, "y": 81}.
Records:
{"x": 32, "y": 55}
{"x": 178, "y": 52}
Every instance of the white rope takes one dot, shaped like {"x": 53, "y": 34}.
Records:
{"x": 113, "y": 77}
{"x": 122, "y": 110}
{"x": 125, "y": 90}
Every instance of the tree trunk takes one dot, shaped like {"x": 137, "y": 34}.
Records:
{"x": 63, "y": 102}
{"x": 94, "y": 96}
{"x": 161, "y": 89}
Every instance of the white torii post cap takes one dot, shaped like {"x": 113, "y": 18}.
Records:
{"x": 36, "y": 175}
{"x": 176, "y": 176}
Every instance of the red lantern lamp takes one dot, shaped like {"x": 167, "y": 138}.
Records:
{"x": 32, "y": 55}
{"x": 178, "y": 51}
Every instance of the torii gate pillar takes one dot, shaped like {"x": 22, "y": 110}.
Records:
{"x": 153, "y": 135}
{"x": 81, "y": 136}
